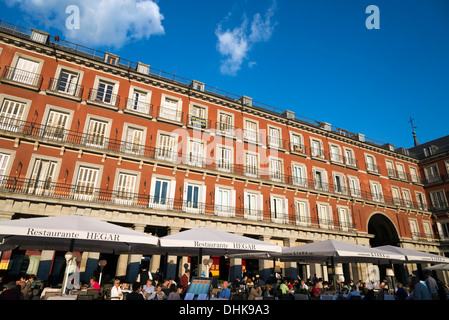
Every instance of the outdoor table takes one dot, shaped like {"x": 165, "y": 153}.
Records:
{"x": 48, "y": 289}
{"x": 66, "y": 297}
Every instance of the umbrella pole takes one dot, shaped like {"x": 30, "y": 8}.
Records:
{"x": 200, "y": 262}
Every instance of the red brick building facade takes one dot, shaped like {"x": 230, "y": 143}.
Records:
{"x": 91, "y": 133}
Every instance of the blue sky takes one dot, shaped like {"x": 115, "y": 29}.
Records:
{"x": 314, "y": 57}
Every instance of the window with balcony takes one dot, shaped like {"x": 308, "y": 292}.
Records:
{"x": 320, "y": 179}
{"x": 4, "y": 163}
{"x": 354, "y": 187}
{"x": 397, "y": 200}
{"x": 196, "y": 153}
{"x": 253, "y": 206}
{"x": 296, "y": 143}
{"x": 251, "y": 132}
{"x": 275, "y": 138}
{"x": 56, "y": 125}
{"x": 439, "y": 201}
{"x": 86, "y": 183}
{"x": 414, "y": 174}
{"x": 422, "y": 203}
{"x": 139, "y": 101}
{"x": 67, "y": 82}
{"x": 194, "y": 197}
{"x": 224, "y": 202}
{"x": 162, "y": 193}
{"x": 251, "y": 164}
{"x": 11, "y": 115}
{"x": 171, "y": 109}
{"x": 198, "y": 117}
{"x": 166, "y": 147}
{"x": 26, "y": 72}
{"x": 104, "y": 93}
{"x": 427, "y": 230}
{"x": 344, "y": 217}
{"x": 414, "y": 230}
{"x": 126, "y": 188}
{"x": 96, "y": 133}
{"x": 432, "y": 174}
{"x": 279, "y": 209}
{"x": 134, "y": 141}
{"x": 401, "y": 171}
{"x": 302, "y": 213}
{"x": 276, "y": 169}
{"x": 350, "y": 158}
{"x": 390, "y": 169}
{"x": 316, "y": 149}
{"x": 225, "y": 123}
{"x": 376, "y": 191}
{"x": 371, "y": 164}
{"x": 42, "y": 176}
{"x": 224, "y": 158}
{"x": 408, "y": 202}
{"x": 325, "y": 218}
{"x": 299, "y": 175}
{"x": 339, "y": 183}
{"x": 336, "y": 154}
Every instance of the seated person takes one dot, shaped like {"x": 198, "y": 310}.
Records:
{"x": 225, "y": 293}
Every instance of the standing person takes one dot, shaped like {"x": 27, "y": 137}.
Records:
{"x": 420, "y": 291}
{"x": 116, "y": 292}
{"x": 432, "y": 286}
{"x": 184, "y": 282}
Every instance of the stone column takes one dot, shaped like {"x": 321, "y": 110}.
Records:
{"x": 45, "y": 264}
{"x": 265, "y": 264}
{"x": 172, "y": 267}
{"x": 290, "y": 268}
{"x": 134, "y": 260}
{"x": 88, "y": 265}
{"x": 235, "y": 268}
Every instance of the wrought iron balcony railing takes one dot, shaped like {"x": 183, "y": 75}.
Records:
{"x": 22, "y": 77}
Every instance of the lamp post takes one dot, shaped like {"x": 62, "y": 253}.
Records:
{"x": 101, "y": 264}
{"x": 68, "y": 258}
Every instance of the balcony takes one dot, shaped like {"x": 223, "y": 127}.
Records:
{"x": 318, "y": 154}
{"x": 276, "y": 143}
{"x": 372, "y": 168}
{"x": 138, "y": 107}
{"x": 298, "y": 148}
{"x": 172, "y": 116}
{"x": 103, "y": 98}
{"x": 64, "y": 89}
{"x": 336, "y": 158}
{"x": 225, "y": 129}
{"x": 351, "y": 162}
{"x": 20, "y": 77}
{"x": 252, "y": 136}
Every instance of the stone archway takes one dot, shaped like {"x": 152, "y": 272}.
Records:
{"x": 385, "y": 233}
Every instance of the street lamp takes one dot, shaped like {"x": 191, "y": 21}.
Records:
{"x": 101, "y": 264}
{"x": 68, "y": 258}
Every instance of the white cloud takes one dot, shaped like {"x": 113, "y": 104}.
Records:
{"x": 234, "y": 45}
{"x": 110, "y": 23}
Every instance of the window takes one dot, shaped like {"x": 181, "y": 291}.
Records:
{"x": 4, "y": 162}
{"x": 354, "y": 187}
{"x": 422, "y": 204}
{"x": 371, "y": 163}
{"x": 350, "y": 158}
{"x": 344, "y": 217}
{"x": 225, "y": 123}
{"x": 11, "y": 115}
{"x": 407, "y": 198}
{"x": 56, "y": 125}
{"x": 336, "y": 154}
{"x": 397, "y": 200}
{"x": 42, "y": 176}
{"x": 316, "y": 149}
{"x": 67, "y": 82}
{"x": 196, "y": 153}
{"x": 139, "y": 101}
{"x": 414, "y": 230}
{"x": 224, "y": 202}
{"x": 427, "y": 230}
{"x": 279, "y": 209}
{"x": 276, "y": 170}
{"x": 325, "y": 216}
{"x": 251, "y": 131}
{"x": 166, "y": 147}
{"x": 194, "y": 197}
{"x": 401, "y": 171}
{"x": 339, "y": 183}
{"x": 299, "y": 175}
{"x": 96, "y": 133}
{"x": 224, "y": 158}
{"x": 302, "y": 213}
{"x": 376, "y": 191}
{"x": 320, "y": 179}
{"x": 296, "y": 143}
{"x": 171, "y": 108}
{"x": 432, "y": 174}
{"x": 86, "y": 183}
{"x": 253, "y": 205}
{"x": 105, "y": 92}
{"x": 162, "y": 193}
{"x": 198, "y": 116}
{"x": 126, "y": 189}
{"x": 133, "y": 141}
{"x": 274, "y": 137}
{"x": 438, "y": 199}
{"x": 414, "y": 174}
{"x": 26, "y": 72}
{"x": 251, "y": 165}
{"x": 390, "y": 169}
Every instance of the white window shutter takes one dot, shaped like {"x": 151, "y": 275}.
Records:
{"x": 232, "y": 202}
{"x": 285, "y": 213}
{"x": 203, "y": 198}
{"x": 171, "y": 196}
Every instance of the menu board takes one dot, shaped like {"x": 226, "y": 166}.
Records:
{"x": 199, "y": 288}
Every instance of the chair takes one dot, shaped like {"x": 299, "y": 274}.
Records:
{"x": 94, "y": 292}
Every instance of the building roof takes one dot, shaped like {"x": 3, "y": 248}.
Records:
{"x": 430, "y": 148}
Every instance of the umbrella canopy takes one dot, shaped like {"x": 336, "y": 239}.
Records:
{"x": 415, "y": 256}
{"x": 441, "y": 266}
{"x": 338, "y": 251}
{"x": 208, "y": 241}
{"x": 71, "y": 233}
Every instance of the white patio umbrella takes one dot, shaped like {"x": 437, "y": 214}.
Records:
{"x": 73, "y": 233}
{"x": 415, "y": 256}
{"x": 440, "y": 266}
{"x": 338, "y": 252}
{"x": 209, "y": 241}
